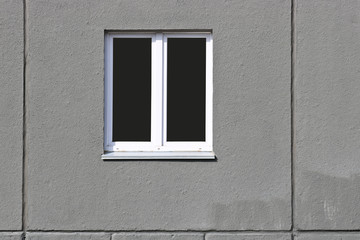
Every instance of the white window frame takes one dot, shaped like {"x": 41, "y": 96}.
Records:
{"x": 158, "y": 147}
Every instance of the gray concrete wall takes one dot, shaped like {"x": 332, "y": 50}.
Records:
{"x": 11, "y": 113}
{"x": 286, "y": 127}
{"x": 71, "y": 188}
{"x": 327, "y": 115}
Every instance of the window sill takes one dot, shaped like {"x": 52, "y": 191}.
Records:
{"x": 157, "y": 155}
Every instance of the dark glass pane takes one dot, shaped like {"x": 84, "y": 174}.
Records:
{"x": 186, "y": 89}
{"x": 132, "y": 89}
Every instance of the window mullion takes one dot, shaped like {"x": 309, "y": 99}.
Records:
{"x": 164, "y": 90}
{"x": 156, "y": 93}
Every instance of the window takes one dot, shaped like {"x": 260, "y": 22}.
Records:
{"x": 158, "y": 96}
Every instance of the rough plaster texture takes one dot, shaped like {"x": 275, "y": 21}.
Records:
{"x": 328, "y": 236}
{"x": 327, "y": 110}
{"x": 11, "y": 113}
{"x": 71, "y": 188}
{"x": 247, "y": 236}
{"x": 68, "y": 236}
{"x": 10, "y": 235}
{"x": 158, "y": 236}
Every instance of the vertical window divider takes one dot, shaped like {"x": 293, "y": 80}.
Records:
{"x": 164, "y": 79}
{"x": 156, "y": 82}
{"x": 162, "y": 91}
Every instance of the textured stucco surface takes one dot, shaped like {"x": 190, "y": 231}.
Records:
{"x": 247, "y": 236}
{"x": 68, "y": 186}
{"x": 68, "y": 236}
{"x": 328, "y": 236}
{"x": 11, "y": 113}
{"x": 10, "y": 236}
{"x": 158, "y": 236}
{"x": 327, "y": 110}
{"x": 71, "y": 188}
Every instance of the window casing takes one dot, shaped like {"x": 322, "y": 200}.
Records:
{"x": 158, "y": 145}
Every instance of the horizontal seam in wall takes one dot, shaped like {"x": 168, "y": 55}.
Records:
{"x": 184, "y": 231}
{"x": 160, "y": 231}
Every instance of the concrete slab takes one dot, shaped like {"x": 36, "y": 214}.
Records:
{"x": 71, "y": 188}
{"x": 327, "y": 86}
{"x": 68, "y": 236}
{"x": 248, "y": 236}
{"x": 10, "y": 235}
{"x": 11, "y": 113}
{"x": 328, "y": 236}
{"x": 158, "y": 236}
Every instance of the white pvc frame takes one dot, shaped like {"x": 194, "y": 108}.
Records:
{"x": 191, "y": 146}
{"x": 158, "y": 95}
